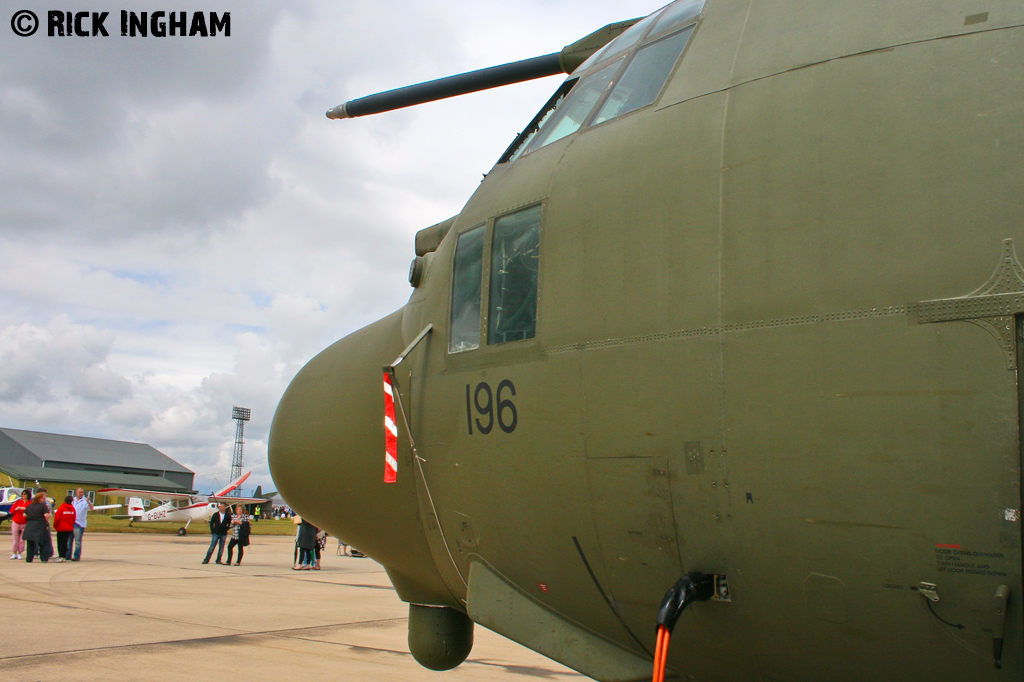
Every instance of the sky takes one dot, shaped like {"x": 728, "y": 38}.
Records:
{"x": 181, "y": 227}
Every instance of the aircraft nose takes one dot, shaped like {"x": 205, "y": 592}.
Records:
{"x": 327, "y": 449}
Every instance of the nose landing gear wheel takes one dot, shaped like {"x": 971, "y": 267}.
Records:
{"x": 181, "y": 531}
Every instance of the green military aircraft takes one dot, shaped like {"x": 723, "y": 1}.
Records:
{"x": 739, "y": 313}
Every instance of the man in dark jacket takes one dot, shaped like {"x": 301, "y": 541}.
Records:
{"x": 219, "y": 524}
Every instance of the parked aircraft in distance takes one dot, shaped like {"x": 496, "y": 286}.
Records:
{"x": 9, "y": 496}
{"x": 177, "y": 507}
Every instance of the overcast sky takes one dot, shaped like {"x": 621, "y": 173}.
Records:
{"x": 181, "y": 227}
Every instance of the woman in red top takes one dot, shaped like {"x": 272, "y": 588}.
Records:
{"x": 18, "y": 524}
{"x": 64, "y": 524}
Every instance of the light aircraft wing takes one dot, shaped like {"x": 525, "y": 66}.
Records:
{"x": 231, "y": 486}
{"x": 144, "y": 494}
{"x": 230, "y": 499}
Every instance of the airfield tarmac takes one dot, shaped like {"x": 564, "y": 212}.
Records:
{"x": 143, "y": 607}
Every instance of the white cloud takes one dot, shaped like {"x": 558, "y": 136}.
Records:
{"x": 59, "y": 362}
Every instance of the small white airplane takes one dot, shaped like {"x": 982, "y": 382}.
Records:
{"x": 177, "y": 507}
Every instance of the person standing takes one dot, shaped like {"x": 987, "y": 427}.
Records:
{"x": 321, "y": 544}
{"x": 64, "y": 523}
{"x": 306, "y": 542}
{"x": 47, "y": 538}
{"x": 82, "y": 506}
{"x": 37, "y": 529}
{"x": 240, "y": 529}
{"x": 219, "y": 524}
{"x": 298, "y": 528}
{"x": 18, "y": 524}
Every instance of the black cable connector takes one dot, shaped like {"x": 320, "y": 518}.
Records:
{"x": 693, "y": 586}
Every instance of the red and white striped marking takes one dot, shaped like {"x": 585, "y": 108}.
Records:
{"x": 390, "y": 434}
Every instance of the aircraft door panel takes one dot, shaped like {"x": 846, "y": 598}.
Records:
{"x": 632, "y": 503}
{"x": 655, "y": 464}
{"x": 516, "y": 427}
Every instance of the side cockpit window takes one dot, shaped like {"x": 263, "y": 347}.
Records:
{"x": 515, "y": 254}
{"x": 524, "y": 139}
{"x": 507, "y": 288}
{"x": 466, "y": 285}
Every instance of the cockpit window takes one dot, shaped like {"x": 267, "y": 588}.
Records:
{"x": 515, "y": 255}
{"x": 525, "y": 137}
{"x": 628, "y": 38}
{"x": 570, "y": 115}
{"x": 467, "y": 281}
{"x": 649, "y": 49}
{"x": 677, "y": 14}
{"x": 640, "y": 84}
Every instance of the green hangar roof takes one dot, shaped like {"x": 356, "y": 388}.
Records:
{"x": 59, "y": 457}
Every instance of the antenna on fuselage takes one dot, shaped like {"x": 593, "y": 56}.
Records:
{"x": 565, "y": 61}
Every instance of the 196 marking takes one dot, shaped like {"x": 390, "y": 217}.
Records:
{"x": 491, "y": 406}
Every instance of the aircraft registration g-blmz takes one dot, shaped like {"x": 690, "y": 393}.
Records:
{"x": 741, "y": 304}
{"x": 178, "y": 507}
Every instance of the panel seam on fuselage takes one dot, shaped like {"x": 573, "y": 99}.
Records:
{"x": 851, "y": 55}
{"x": 862, "y": 314}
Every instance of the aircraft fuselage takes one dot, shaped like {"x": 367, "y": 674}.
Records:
{"x": 775, "y": 337}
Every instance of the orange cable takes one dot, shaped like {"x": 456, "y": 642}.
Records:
{"x": 660, "y": 654}
{"x": 664, "y": 656}
{"x": 657, "y": 653}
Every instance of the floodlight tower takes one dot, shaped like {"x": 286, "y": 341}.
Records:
{"x": 240, "y": 415}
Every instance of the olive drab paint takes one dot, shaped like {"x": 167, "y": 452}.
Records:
{"x": 747, "y": 301}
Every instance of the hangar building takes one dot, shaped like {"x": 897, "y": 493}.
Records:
{"x": 60, "y": 462}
